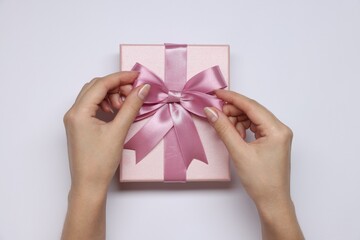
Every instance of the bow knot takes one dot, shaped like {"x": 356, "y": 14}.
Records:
{"x": 173, "y": 96}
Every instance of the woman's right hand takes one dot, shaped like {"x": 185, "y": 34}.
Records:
{"x": 263, "y": 165}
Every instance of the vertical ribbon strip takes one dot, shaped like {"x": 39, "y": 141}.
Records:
{"x": 175, "y": 79}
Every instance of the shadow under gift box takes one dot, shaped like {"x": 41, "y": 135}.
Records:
{"x": 151, "y": 168}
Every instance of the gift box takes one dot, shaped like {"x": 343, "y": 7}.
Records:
{"x": 171, "y": 140}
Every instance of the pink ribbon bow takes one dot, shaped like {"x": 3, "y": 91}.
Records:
{"x": 170, "y": 103}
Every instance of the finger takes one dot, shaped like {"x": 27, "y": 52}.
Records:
{"x": 241, "y": 129}
{"x": 126, "y": 89}
{"x": 257, "y": 113}
{"x": 233, "y": 120}
{"x": 226, "y": 131}
{"x": 245, "y": 123}
{"x": 130, "y": 108}
{"x": 234, "y": 112}
{"x": 242, "y": 118}
{"x": 124, "y": 92}
{"x": 121, "y": 89}
{"x": 105, "y": 106}
{"x": 255, "y": 130}
{"x": 240, "y": 125}
{"x": 115, "y": 100}
{"x": 231, "y": 110}
{"x": 101, "y": 86}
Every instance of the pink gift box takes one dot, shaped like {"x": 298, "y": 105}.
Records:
{"x": 151, "y": 167}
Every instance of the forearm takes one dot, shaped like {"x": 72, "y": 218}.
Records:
{"x": 86, "y": 214}
{"x": 278, "y": 220}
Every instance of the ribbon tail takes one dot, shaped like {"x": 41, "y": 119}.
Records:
{"x": 150, "y": 134}
{"x": 187, "y": 135}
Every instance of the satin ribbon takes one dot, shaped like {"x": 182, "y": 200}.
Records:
{"x": 169, "y": 104}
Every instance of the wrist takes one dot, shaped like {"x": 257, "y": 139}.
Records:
{"x": 278, "y": 219}
{"x": 87, "y": 193}
{"x": 273, "y": 209}
{"x": 85, "y": 218}
{"x": 277, "y": 207}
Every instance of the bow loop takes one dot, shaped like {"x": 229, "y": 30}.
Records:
{"x": 206, "y": 81}
{"x": 195, "y": 102}
{"x": 158, "y": 91}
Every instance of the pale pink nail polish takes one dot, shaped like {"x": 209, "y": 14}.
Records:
{"x": 211, "y": 114}
{"x": 144, "y": 91}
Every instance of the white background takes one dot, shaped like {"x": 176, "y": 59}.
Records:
{"x": 301, "y": 59}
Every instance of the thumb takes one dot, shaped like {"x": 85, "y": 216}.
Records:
{"x": 130, "y": 108}
{"x": 226, "y": 131}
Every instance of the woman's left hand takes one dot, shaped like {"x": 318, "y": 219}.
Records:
{"x": 94, "y": 146}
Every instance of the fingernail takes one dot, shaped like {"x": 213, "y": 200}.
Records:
{"x": 143, "y": 92}
{"x": 211, "y": 114}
